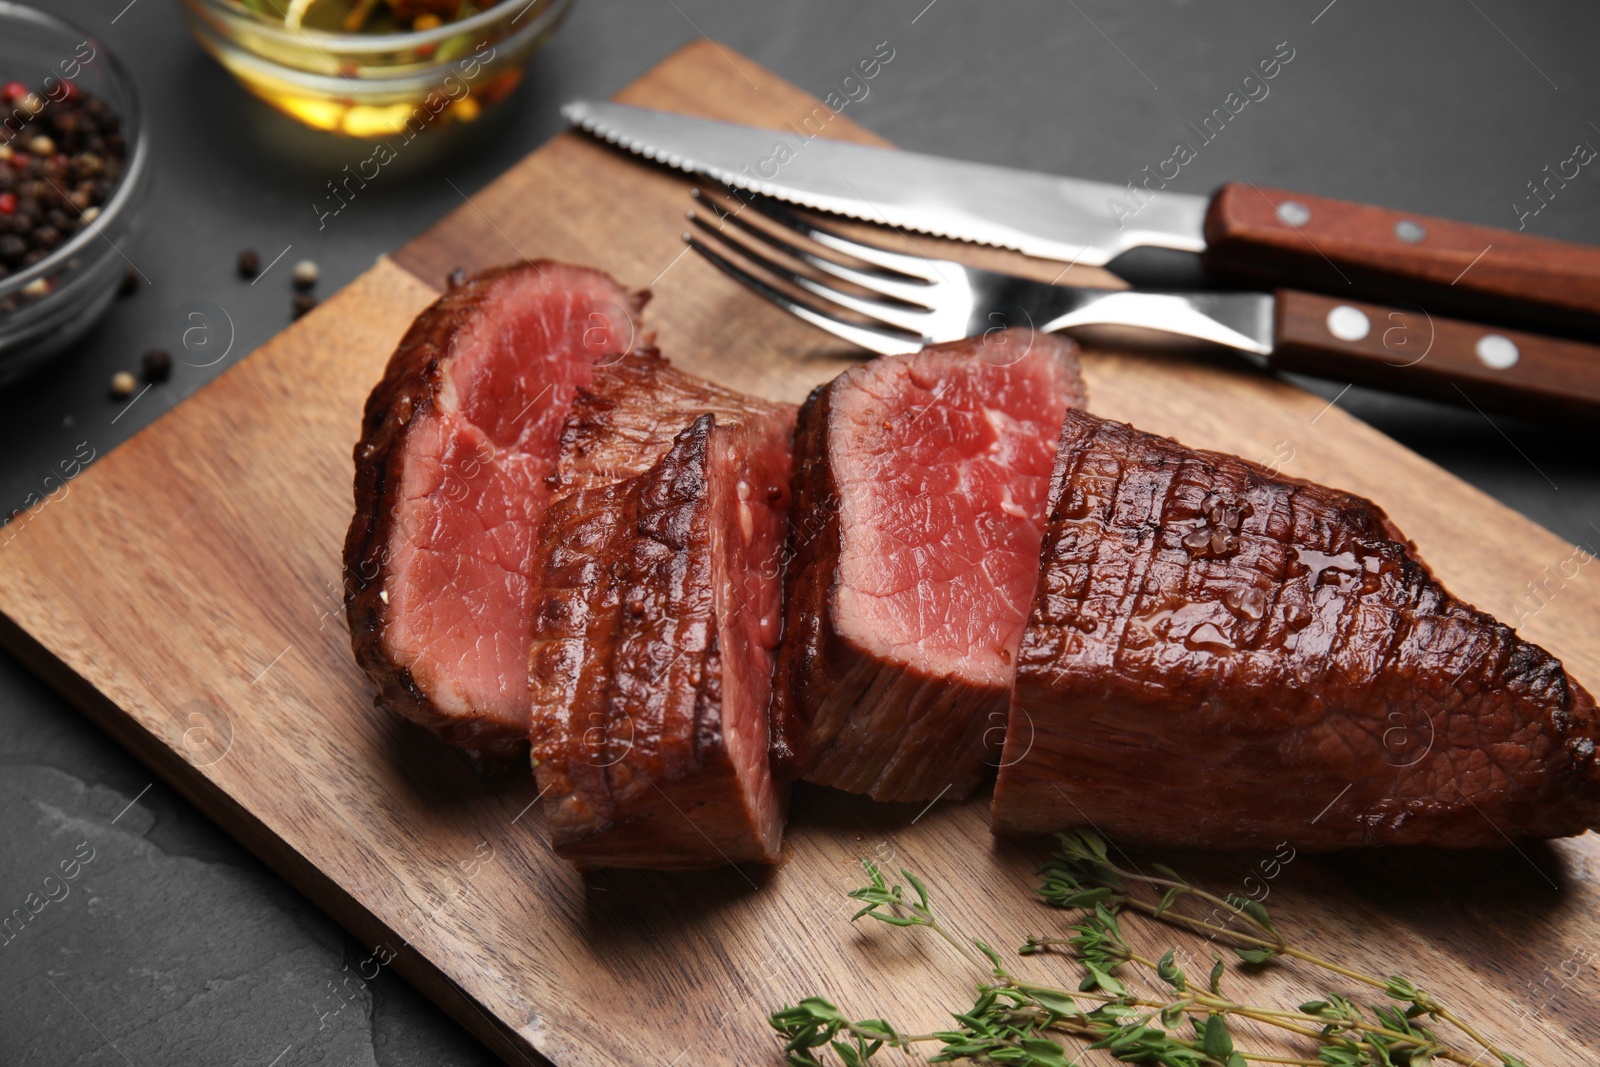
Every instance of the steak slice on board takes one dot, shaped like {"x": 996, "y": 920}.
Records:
{"x": 457, "y": 442}
{"x": 1220, "y": 657}
{"x": 656, "y": 631}
{"x": 919, "y": 503}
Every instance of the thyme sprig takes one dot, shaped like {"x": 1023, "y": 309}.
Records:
{"x": 1021, "y": 1022}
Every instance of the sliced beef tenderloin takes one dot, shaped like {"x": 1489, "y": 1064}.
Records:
{"x": 457, "y": 443}
{"x": 627, "y": 418}
{"x": 652, "y": 662}
{"x": 1224, "y": 658}
{"x": 919, "y": 503}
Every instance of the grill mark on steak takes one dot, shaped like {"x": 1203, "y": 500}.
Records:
{"x": 457, "y": 439}
{"x": 920, "y": 497}
{"x": 626, "y": 419}
{"x": 655, "y": 635}
{"x": 1302, "y": 678}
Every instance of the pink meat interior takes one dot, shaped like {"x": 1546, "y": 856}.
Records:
{"x": 473, "y": 488}
{"x": 942, "y": 461}
{"x": 749, "y": 475}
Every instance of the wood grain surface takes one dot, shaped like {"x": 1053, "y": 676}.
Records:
{"x": 185, "y": 593}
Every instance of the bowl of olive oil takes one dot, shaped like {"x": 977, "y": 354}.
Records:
{"x": 376, "y": 68}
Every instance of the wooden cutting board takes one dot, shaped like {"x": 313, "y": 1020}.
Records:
{"x": 185, "y": 594}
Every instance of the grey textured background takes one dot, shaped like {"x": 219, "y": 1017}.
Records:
{"x": 174, "y": 946}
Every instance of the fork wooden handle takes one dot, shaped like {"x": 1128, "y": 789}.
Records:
{"x": 1374, "y": 253}
{"x": 1407, "y": 350}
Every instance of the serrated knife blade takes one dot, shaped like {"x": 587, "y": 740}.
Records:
{"x": 1067, "y": 219}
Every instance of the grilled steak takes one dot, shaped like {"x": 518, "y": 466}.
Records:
{"x": 627, "y": 418}
{"x": 652, "y": 659}
{"x": 457, "y": 442}
{"x": 919, "y": 502}
{"x": 1220, "y": 657}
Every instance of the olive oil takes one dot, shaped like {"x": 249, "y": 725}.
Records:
{"x": 431, "y": 78}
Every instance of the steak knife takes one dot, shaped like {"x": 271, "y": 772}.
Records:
{"x": 1245, "y": 233}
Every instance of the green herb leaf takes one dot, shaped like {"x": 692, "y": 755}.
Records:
{"x": 1215, "y": 1041}
{"x": 916, "y": 883}
{"x": 1166, "y": 900}
{"x": 1099, "y": 978}
{"x": 994, "y": 957}
{"x": 1170, "y": 973}
{"x": 1055, "y": 1002}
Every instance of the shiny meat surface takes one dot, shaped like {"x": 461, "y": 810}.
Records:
{"x": 1223, "y": 658}
{"x": 457, "y": 442}
{"x": 920, "y": 492}
{"x": 627, "y": 417}
{"x": 655, "y": 635}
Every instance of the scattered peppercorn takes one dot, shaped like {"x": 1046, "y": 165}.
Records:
{"x": 458, "y": 278}
{"x": 130, "y": 282}
{"x": 156, "y": 365}
{"x": 249, "y": 263}
{"x": 122, "y": 385}
{"x": 303, "y": 302}
{"x": 305, "y": 274}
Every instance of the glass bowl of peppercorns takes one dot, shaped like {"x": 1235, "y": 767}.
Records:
{"x": 387, "y": 69}
{"x": 73, "y": 163}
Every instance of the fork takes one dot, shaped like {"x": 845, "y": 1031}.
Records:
{"x": 927, "y": 301}
{"x": 909, "y": 301}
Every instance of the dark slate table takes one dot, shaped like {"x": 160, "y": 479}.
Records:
{"x": 175, "y": 946}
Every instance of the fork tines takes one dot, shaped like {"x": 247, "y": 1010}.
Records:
{"x": 784, "y": 253}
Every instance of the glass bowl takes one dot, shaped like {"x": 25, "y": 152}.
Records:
{"x": 377, "y": 84}
{"x": 45, "y": 307}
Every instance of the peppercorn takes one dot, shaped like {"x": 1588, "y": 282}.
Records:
{"x": 305, "y": 274}
{"x": 458, "y": 278}
{"x": 130, "y": 282}
{"x": 303, "y": 302}
{"x": 122, "y": 385}
{"x": 156, "y": 365}
{"x": 60, "y": 165}
{"x": 249, "y": 263}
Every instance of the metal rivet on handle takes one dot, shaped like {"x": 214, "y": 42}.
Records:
{"x": 1348, "y": 323}
{"x": 1409, "y": 232}
{"x": 1294, "y": 213}
{"x": 1497, "y": 351}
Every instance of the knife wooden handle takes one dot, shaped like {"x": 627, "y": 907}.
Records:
{"x": 1370, "y": 252}
{"x": 1407, "y": 350}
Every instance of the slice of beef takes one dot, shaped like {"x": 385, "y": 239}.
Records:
{"x": 1224, "y": 658}
{"x": 652, "y": 661}
{"x": 627, "y": 418}
{"x": 919, "y": 502}
{"x": 457, "y": 443}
